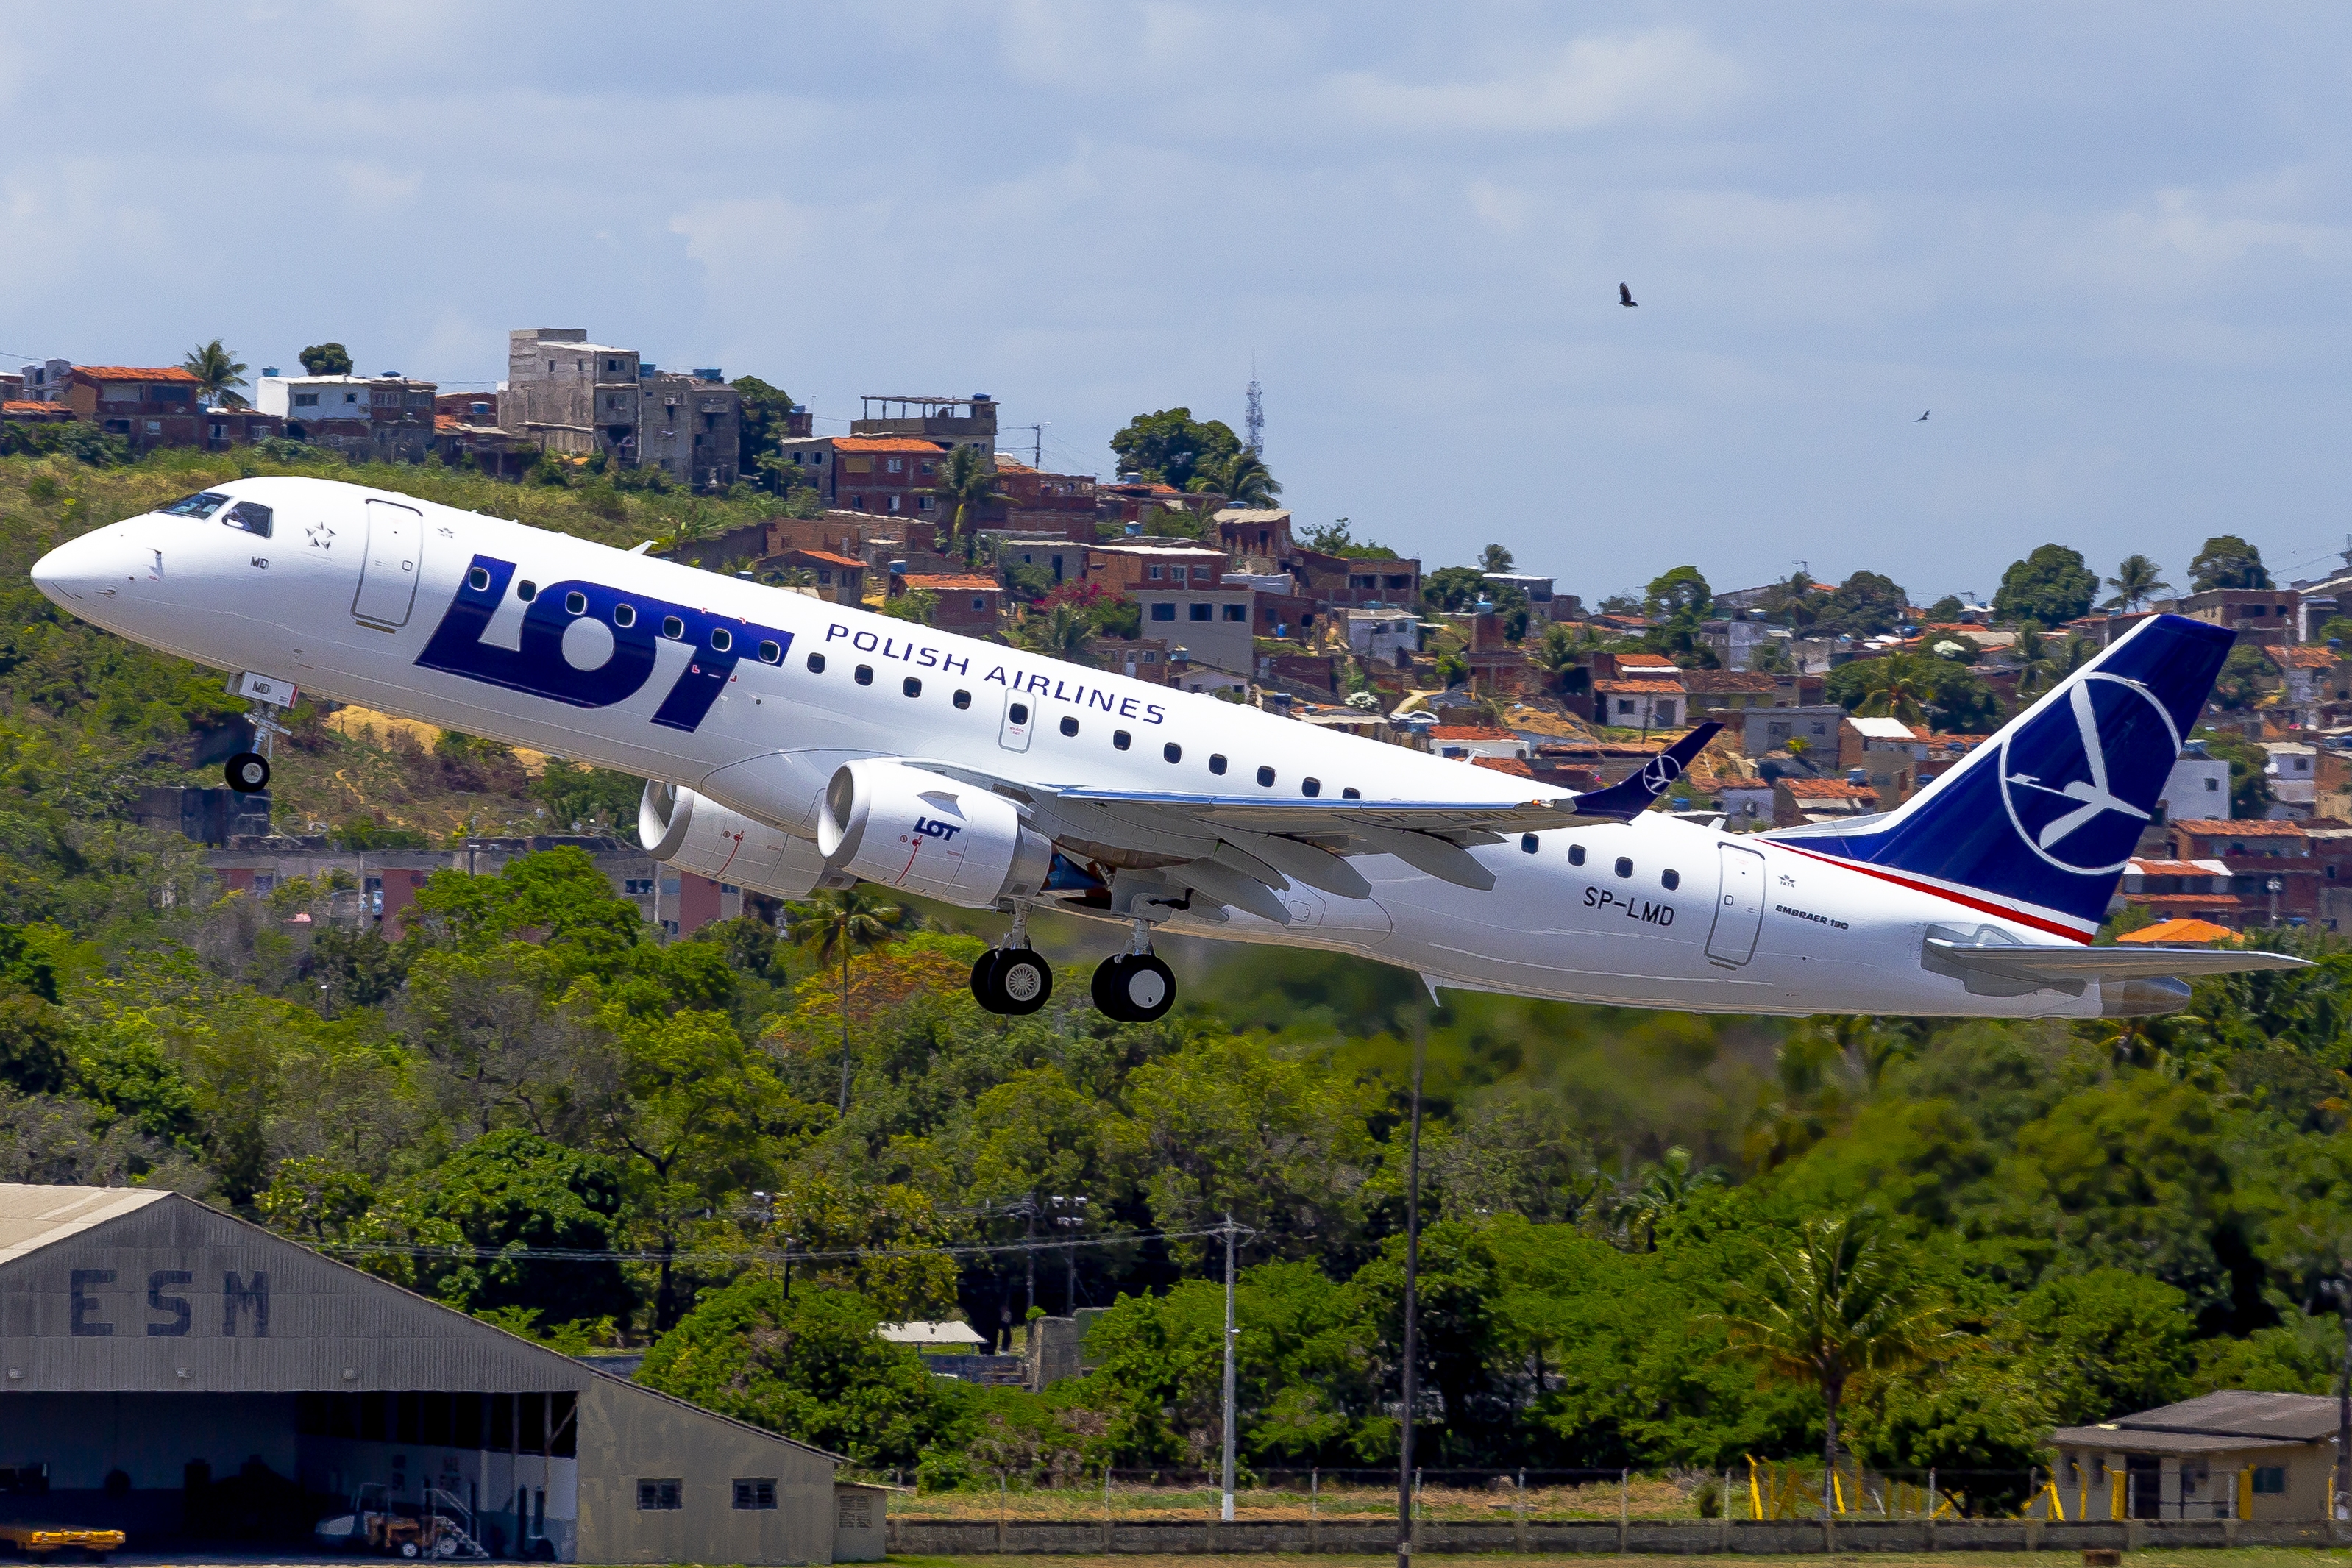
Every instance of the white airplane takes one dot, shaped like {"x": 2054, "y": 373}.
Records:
{"x": 793, "y": 744}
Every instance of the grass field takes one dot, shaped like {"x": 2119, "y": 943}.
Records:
{"x": 2241, "y": 1557}
{"x": 1646, "y": 1498}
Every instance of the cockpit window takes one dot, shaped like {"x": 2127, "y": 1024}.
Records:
{"x": 250, "y": 515}
{"x": 204, "y": 504}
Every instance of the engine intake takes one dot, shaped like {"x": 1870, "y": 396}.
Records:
{"x": 905, "y": 828}
{"x": 680, "y": 828}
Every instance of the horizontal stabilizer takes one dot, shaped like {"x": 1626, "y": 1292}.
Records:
{"x": 2073, "y": 966}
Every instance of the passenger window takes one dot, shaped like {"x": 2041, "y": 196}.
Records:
{"x": 816, "y": 663}
{"x": 624, "y": 615}
{"x": 770, "y": 655}
{"x": 1624, "y": 866}
{"x": 203, "y": 505}
{"x": 1576, "y": 854}
{"x": 673, "y": 627}
{"x": 1351, "y": 793}
{"x": 721, "y": 639}
{"x": 1311, "y": 786}
{"x": 1069, "y": 727}
{"x": 911, "y": 686}
{"x": 1121, "y": 739}
{"x": 865, "y": 674}
{"x": 963, "y": 699}
{"x": 478, "y": 579}
{"x": 1528, "y": 845}
{"x": 1018, "y": 712}
{"x": 250, "y": 515}
{"x": 1671, "y": 879}
{"x": 1216, "y": 763}
{"x": 526, "y": 590}
{"x": 1265, "y": 777}
{"x": 575, "y": 603}
{"x": 1172, "y": 752}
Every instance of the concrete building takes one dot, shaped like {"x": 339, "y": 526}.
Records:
{"x": 2197, "y": 785}
{"x": 1471, "y": 742}
{"x": 1038, "y": 502}
{"x": 2310, "y": 679}
{"x": 1539, "y": 591}
{"x": 1213, "y": 624}
{"x": 45, "y": 380}
{"x": 386, "y": 418}
{"x": 1384, "y": 636}
{"x": 1763, "y": 730}
{"x": 1797, "y": 801}
{"x": 1887, "y": 751}
{"x": 148, "y": 406}
{"x": 2292, "y": 772}
{"x": 837, "y": 576}
{"x": 2258, "y": 615}
{"x": 890, "y": 475}
{"x": 950, "y": 421}
{"x": 967, "y": 603}
{"x": 2232, "y": 1455}
{"x": 1344, "y": 582}
{"x": 579, "y": 397}
{"x": 166, "y": 1360}
{"x": 1125, "y": 568}
{"x": 2173, "y": 890}
{"x": 1258, "y": 536}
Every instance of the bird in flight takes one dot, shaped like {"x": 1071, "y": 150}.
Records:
{"x": 1625, "y": 296}
{"x": 1923, "y": 418}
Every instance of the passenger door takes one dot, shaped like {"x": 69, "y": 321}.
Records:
{"x": 1738, "y": 906}
{"x": 1019, "y": 719}
{"x": 390, "y": 565}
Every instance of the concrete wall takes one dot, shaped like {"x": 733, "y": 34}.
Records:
{"x": 624, "y": 1428}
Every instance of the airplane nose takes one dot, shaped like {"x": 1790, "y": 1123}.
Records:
{"x": 82, "y": 570}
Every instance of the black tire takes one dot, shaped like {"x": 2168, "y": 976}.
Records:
{"x": 247, "y": 772}
{"x": 983, "y": 981}
{"x": 1146, "y": 989}
{"x": 1106, "y": 987}
{"x": 1024, "y": 981}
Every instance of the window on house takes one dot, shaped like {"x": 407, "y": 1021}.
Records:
{"x": 662, "y": 1496}
{"x": 894, "y": 464}
{"x": 306, "y": 400}
{"x": 1624, "y": 705}
{"x": 1200, "y": 612}
{"x": 755, "y": 1493}
{"x": 1163, "y": 612}
{"x": 1238, "y": 612}
{"x": 1153, "y": 573}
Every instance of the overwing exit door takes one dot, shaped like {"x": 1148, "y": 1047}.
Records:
{"x": 1019, "y": 719}
{"x": 1738, "y": 906}
{"x": 390, "y": 565}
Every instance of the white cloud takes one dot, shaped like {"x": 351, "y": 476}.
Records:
{"x": 1670, "y": 74}
{"x": 1500, "y": 205}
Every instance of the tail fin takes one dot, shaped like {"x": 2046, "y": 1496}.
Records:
{"x": 2037, "y": 821}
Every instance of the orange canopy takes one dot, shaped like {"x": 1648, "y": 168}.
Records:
{"x": 2180, "y": 932}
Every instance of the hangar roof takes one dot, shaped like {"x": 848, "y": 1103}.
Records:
{"x": 71, "y": 1314}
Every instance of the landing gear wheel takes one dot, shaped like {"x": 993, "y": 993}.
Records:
{"x": 248, "y": 772}
{"x": 1012, "y": 981}
{"x": 983, "y": 980}
{"x": 1024, "y": 980}
{"x": 1134, "y": 988}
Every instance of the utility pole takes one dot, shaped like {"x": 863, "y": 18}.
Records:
{"x": 1226, "y": 1514}
{"x": 1411, "y": 1303}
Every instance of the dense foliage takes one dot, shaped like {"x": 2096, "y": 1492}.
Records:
{"x": 2102, "y": 1217}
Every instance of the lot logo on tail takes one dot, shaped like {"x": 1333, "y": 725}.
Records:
{"x": 2081, "y": 779}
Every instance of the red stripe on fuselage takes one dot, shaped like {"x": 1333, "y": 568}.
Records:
{"x": 1982, "y": 907}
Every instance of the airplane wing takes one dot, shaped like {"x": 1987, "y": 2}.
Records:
{"x": 1235, "y": 838}
{"x": 2073, "y": 966}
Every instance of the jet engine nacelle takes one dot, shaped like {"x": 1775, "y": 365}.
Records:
{"x": 906, "y": 828}
{"x": 680, "y": 828}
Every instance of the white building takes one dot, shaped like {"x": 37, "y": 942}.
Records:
{"x": 1214, "y": 623}
{"x": 1389, "y": 636}
{"x": 2294, "y": 774}
{"x": 2198, "y": 789}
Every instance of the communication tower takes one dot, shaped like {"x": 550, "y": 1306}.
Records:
{"x": 1253, "y": 418}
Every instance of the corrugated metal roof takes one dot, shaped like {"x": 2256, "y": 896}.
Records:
{"x": 34, "y": 1216}
{"x": 2241, "y": 1412}
{"x": 2119, "y": 1439}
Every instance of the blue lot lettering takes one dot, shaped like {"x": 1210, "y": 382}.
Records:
{"x": 540, "y": 667}
{"x": 1640, "y": 909}
{"x": 930, "y": 828}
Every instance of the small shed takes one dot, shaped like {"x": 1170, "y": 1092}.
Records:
{"x": 2233, "y": 1455}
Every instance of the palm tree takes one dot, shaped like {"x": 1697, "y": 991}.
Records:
{"x": 844, "y": 918}
{"x": 1835, "y": 1304}
{"x": 691, "y": 527}
{"x": 1243, "y": 479}
{"x": 216, "y": 369}
{"x": 2137, "y": 581}
{"x": 1061, "y": 632}
{"x": 1904, "y": 697}
{"x": 970, "y": 483}
{"x": 1664, "y": 1188}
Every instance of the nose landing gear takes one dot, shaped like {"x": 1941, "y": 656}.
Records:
{"x": 1135, "y": 987}
{"x": 248, "y": 772}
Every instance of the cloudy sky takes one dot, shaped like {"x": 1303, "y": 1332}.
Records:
{"x": 2105, "y": 245}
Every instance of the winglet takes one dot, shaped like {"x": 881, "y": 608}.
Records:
{"x": 1624, "y": 800}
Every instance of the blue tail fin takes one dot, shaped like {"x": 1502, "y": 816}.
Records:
{"x": 2039, "y": 820}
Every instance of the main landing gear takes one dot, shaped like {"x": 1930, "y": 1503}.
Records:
{"x": 1133, "y": 986}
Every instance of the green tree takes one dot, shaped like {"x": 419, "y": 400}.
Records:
{"x": 969, "y": 482}
{"x": 1454, "y": 589}
{"x": 325, "y": 359}
{"x": 1838, "y": 1301}
{"x": 2137, "y": 581}
{"x": 2247, "y": 676}
{"x": 2250, "y": 784}
{"x": 767, "y": 415}
{"x": 2227, "y": 561}
{"x": 2049, "y": 587}
{"x": 808, "y": 1365}
{"x": 1947, "y": 692}
{"x": 1243, "y": 479}
{"x": 1173, "y": 447}
{"x": 216, "y": 371}
{"x": 1679, "y": 594}
{"x": 840, "y": 920}
{"x": 1867, "y": 604}
{"x": 1498, "y": 557}
{"x": 1334, "y": 538}
{"x": 1945, "y": 611}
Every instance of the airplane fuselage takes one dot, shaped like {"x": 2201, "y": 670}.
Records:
{"x": 541, "y": 639}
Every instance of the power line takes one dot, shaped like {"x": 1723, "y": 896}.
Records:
{"x": 748, "y": 1255}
